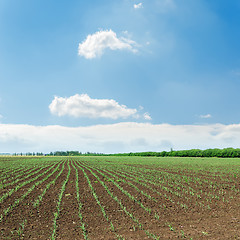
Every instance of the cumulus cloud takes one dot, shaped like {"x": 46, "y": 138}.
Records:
{"x": 84, "y": 106}
{"x": 94, "y": 45}
{"x": 206, "y": 116}
{"x": 139, "y": 5}
{"x": 120, "y": 137}
{"x": 147, "y": 116}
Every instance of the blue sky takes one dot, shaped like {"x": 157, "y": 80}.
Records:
{"x": 139, "y": 66}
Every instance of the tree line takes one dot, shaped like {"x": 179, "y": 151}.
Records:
{"x": 216, "y": 152}
{"x": 221, "y": 153}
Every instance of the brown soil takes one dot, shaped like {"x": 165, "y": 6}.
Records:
{"x": 24, "y": 221}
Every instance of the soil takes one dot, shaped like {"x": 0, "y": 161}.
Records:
{"x": 220, "y": 221}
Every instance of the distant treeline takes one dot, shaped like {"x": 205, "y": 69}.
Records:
{"x": 74, "y": 153}
{"x": 221, "y": 153}
{"x": 57, "y": 153}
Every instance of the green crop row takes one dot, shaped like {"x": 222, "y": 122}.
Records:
{"x": 6, "y": 211}
{"x": 56, "y": 213}
{"x": 128, "y": 213}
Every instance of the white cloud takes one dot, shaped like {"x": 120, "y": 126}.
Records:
{"x": 139, "y": 5}
{"x": 84, "y": 106}
{"x": 206, "y": 116}
{"x": 147, "y": 116}
{"x": 94, "y": 45}
{"x": 120, "y": 137}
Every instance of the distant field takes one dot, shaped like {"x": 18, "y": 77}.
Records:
{"x": 119, "y": 198}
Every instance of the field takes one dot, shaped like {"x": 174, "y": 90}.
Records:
{"x": 119, "y": 198}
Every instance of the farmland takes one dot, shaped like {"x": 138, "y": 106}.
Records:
{"x": 119, "y": 198}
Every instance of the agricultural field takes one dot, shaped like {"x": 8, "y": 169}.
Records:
{"x": 119, "y": 198}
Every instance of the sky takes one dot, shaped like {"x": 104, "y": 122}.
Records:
{"x": 119, "y": 75}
